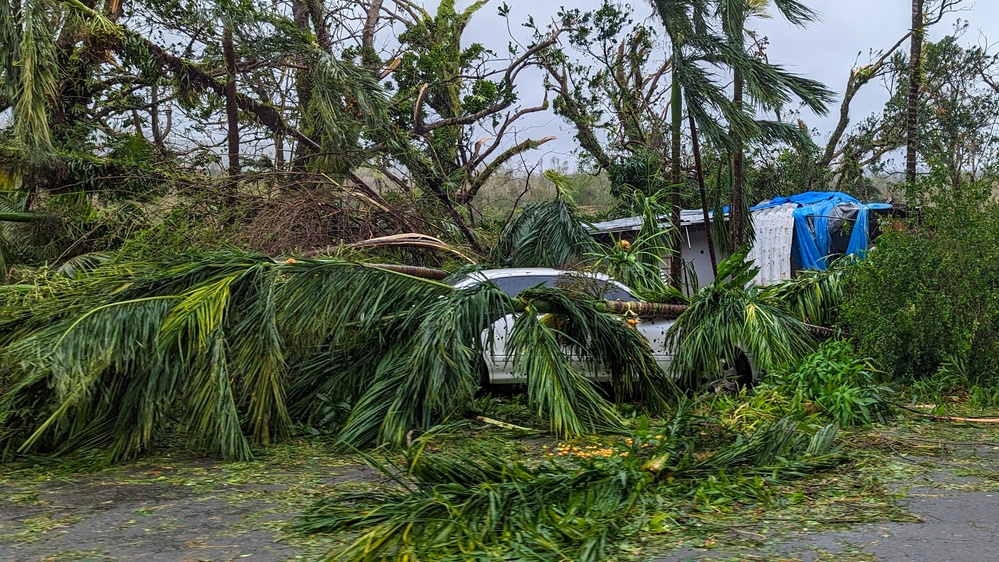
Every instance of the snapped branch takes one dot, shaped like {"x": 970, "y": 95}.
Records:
{"x": 858, "y": 78}
{"x": 509, "y": 78}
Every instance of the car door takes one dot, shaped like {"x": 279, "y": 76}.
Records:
{"x": 498, "y": 356}
{"x": 499, "y": 359}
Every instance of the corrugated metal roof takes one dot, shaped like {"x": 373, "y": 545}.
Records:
{"x": 688, "y": 217}
{"x": 771, "y": 251}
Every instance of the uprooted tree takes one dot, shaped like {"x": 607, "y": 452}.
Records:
{"x": 384, "y": 103}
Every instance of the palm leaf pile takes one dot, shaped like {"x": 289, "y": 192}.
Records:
{"x": 485, "y": 507}
{"x": 549, "y": 234}
{"x": 236, "y": 349}
{"x": 728, "y": 318}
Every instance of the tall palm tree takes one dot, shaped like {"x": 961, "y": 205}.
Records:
{"x": 679, "y": 19}
{"x": 711, "y": 33}
{"x": 915, "y": 80}
{"x": 734, "y": 14}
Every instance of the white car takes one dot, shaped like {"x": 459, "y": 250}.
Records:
{"x": 499, "y": 361}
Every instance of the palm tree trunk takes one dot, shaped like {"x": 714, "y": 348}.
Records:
{"x": 676, "y": 178}
{"x": 278, "y": 152}
{"x": 915, "y": 79}
{"x": 154, "y": 117}
{"x": 736, "y": 213}
{"x": 368, "y": 54}
{"x": 696, "y": 147}
{"x": 301, "y": 153}
{"x": 231, "y": 110}
{"x": 642, "y": 310}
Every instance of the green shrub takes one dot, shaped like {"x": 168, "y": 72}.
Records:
{"x": 838, "y": 385}
{"x": 929, "y": 293}
{"x": 950, "y": 384}
{"x": 950, "y": 378}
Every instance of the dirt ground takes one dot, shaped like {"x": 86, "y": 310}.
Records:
{"x": 174, "y": 507}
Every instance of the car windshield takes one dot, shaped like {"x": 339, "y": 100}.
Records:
{"x": 589, "y": 285}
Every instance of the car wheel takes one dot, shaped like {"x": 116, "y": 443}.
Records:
{"x": 743, "y": 371}
{"x": 481, "y": 371}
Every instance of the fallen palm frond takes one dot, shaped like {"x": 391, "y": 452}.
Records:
{"x": 813, "y": 296}
{"x": 603, "y": 342}
{"x": 435, "y": 373}
{"x": 549, "y": 234}
{"x": 487, "y": 507}
{"x": 83, "y": 263}
{"x": 727, "y": 319}
{"x": 409, "y": 240}
{"x": 558, "y": 391}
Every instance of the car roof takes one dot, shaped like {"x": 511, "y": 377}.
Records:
{"x": 473, "y": 277}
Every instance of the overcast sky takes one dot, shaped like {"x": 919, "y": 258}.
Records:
{"x": 825, "y": 51}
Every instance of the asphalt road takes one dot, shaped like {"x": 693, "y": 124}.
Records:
{"x": 193, "y": 512}
{"x": 959, "y": 524}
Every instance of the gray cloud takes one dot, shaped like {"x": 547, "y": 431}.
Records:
{"x": 826, "y": 51}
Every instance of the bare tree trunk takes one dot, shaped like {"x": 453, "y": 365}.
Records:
{"x": 159, "y": 134}
{"x": 737, "y": 220}
{"x": 231, "y": 110}
{"x": 114, "y": 9}
{"x": 696, "y": 147}
{"x": 303, "y": 87}
{"x": 278, "y": 151}
{"x": 368, "y": 54}
{"x": 676, "y": 178}
{"x": 317, "y": 13}
{"x": 154, "y": 115}
{"x": 137, "y": 123}
{"x": 915, "y": 83}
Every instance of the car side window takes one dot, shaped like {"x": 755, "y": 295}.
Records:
{"x": 613, "y": 292}
{"x": 595, "y": 287}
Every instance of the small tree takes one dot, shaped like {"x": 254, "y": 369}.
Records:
{"x": 455, "y": 107}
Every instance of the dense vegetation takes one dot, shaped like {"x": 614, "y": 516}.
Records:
{"x": 211, "y": 211}
{"x": 927, "y": 300}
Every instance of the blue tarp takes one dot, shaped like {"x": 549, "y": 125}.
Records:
{"x": 813, "y": 238}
